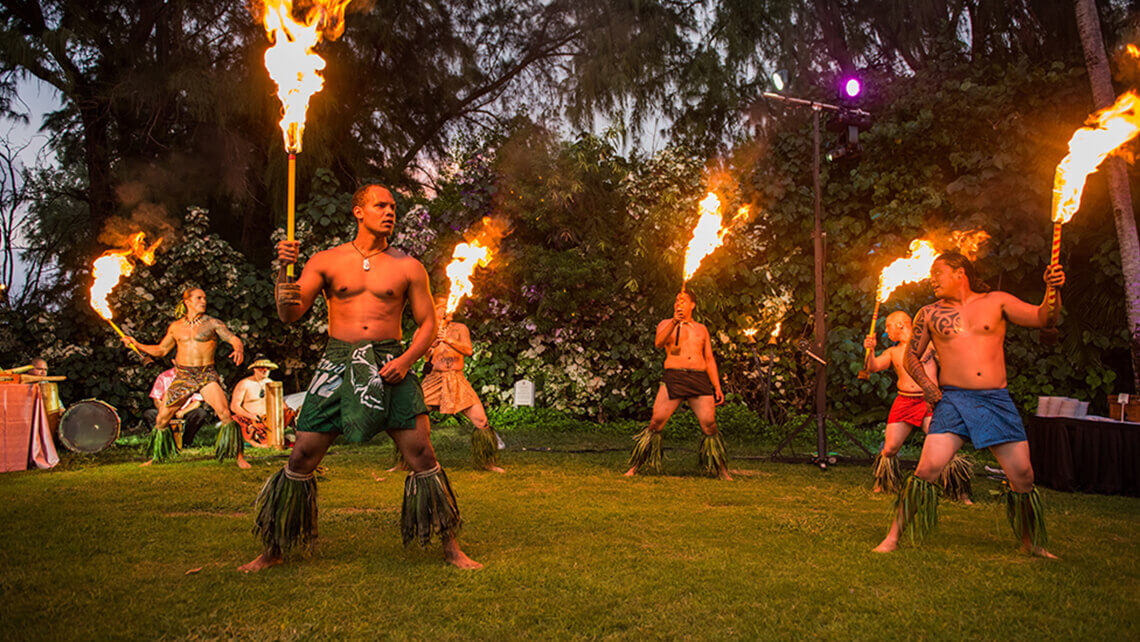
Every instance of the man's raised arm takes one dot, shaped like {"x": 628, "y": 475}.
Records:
{"x": 913, "y": 358}
{"x": 664, "y": 332}
{"x": 1036, "y": 316}
{"x": 162, "y": 349}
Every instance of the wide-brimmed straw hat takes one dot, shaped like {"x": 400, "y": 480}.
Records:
{"x": 262, "y": 363}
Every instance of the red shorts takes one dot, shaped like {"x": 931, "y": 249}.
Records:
{"x": 909, "y": 410}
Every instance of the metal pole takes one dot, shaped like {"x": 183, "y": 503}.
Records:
{"x": 820, "y": 306}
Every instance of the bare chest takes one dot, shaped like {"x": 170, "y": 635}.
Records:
{"x": 690, "y": 342}
{"x": 202, "y": 332}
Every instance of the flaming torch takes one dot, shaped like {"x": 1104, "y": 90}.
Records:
{"x": 914, "y": 267}
{"x": 1108, "y": 129}
{"x": 110, "y": 268}
{"x": 296, "y": 70}
{"x": 464, "y": 260}
{"x": 708, "y": 235}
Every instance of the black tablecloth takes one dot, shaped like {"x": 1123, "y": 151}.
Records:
{"x": 1081, "y": 455}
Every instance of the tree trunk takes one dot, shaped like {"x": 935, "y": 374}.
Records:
{"x": 1100, "y": 77}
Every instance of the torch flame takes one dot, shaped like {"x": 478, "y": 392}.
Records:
{"x": 776, "y": 332}
{"x": 1110, "y": 128}
{"x": 914, "y": 267}
{"x": 708, "y": 234}
{"x": 1133, "y": 50}
{"x": 291, "y": 62}
{"x": 968, "y": 243}
{"x": 750, "y": 332}
{"x": 464, "y": 260}
{"x": 113, "y": 265}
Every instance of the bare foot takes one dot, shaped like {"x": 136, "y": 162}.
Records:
{"x": 887, "y": 545}
{"x": 263, "y": 561}
{"x": 725, "y": 476}
{"x": 398, "y": 468}
{"x": 149, "y": 462}
{"x": 967, "y": 501}
{"x": 242, "y": 463}
{"x": 457, "y": 558}
{"x": 877, "y": 489}
{"x": 631, "y": 472}
{"x": 1038, "y": 551}
{"x": 494, "y": 469}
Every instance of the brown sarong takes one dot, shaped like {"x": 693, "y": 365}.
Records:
{"x": 450, "y": 391}
{"x": 685, "y": 384}
{"x": 188, "y": 380}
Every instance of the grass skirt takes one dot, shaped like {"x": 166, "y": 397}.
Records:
{"x": 1026, "y": 514}
{"x": 485, "y": 447}
{"x": 230, "y": 442}
{"x": 160, "y": 446}
{"x": 287, "y": 512}
{"x": 918, "y": 502}
{"x": 887, "y": 474}
{"x": 429, "y": 507}
{"x": 647, "y": 451}
{"x": 711, "y": 457}
{"x": 957, "y": 477}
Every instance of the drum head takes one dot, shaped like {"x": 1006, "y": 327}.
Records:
{"x": 89, "y": 426}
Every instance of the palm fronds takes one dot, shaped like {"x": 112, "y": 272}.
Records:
{"x": 429, "y": 508}
{"x": 647, "y": 451}
{"x": 287, "y": 512}
{"x": 711, "y": 456}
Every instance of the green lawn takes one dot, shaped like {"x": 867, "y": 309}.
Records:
{"x": 100, "y": 548}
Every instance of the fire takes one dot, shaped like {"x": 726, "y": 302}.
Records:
{"x": 913, "y": 268}
{"x": 1109, "y": 129}
{"x": 708, "y": 234}
{"x": 113, "y": 265}
{"x": 290, "y": 60}
{"x": 750, "y": 332}
{"x": 464, "y": 260}
{"x": 1133, "y": 50}
{"x": 776, "y": 331}
{"x": 968, "y": 243}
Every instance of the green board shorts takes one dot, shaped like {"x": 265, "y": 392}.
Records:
{"x": 348, "y": 396}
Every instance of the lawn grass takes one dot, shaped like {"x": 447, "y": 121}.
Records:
{"x": 100, "y": 548}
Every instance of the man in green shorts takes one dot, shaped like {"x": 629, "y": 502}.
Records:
{"x": 362, "y": 385}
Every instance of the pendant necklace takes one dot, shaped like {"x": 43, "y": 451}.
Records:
{"x": 366, "y": 264}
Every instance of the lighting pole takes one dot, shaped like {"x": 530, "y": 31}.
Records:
{"x": 820, "y": 317}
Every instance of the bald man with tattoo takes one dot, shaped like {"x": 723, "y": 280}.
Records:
{"x": 967, "y": 327}
{"x": 195, "y": 335}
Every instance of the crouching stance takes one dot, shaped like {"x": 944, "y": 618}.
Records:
{"x": 967, "y": 326}
{"x": 690, "y": 375}
{"x": 195, "y": 336}
{"x": 362, "y": 385}
{"x": 910, "y": 411}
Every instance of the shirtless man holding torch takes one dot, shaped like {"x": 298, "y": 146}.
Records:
{"x": 690, "y": 375}
{"x": 967, "y": 327}
{"x": 195, "y": 335}
{"x": 362, "y": 385}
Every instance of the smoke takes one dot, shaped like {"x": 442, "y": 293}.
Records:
{"x": 145, "y": 215}
{"x": 973, "y": 244}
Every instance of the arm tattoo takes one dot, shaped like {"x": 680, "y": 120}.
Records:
{"x": 913, "y": 359}
{"x": 223, "y": 332}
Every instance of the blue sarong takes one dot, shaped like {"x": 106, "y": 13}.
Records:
{"x": 984, "y": 417}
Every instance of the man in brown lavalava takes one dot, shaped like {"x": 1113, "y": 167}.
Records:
{"x": 362, "y": 385}
{"x": 967, "y": 327}
{"x": 690, "y": 375}
{"x": 909, "y": 411}
{"x": 195, "y": 335}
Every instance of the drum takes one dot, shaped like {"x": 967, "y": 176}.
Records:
{"x": 275, "y": 415}
{"x": 89, "y": 426}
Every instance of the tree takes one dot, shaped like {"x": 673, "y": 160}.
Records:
{"x": 1100, "y": 78}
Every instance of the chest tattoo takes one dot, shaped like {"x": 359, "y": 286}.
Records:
{"x": 946, "y": 321}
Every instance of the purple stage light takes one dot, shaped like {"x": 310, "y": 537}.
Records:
{"x": 852, "y": 87}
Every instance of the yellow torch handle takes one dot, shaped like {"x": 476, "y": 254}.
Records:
{"x": 291, "y": 204}
{"x": 120, "y": 332}
{"x": 865, "y": 373}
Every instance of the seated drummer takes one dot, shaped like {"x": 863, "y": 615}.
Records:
{"x": 192, "y": 412}
{"x": 248, "y": 404}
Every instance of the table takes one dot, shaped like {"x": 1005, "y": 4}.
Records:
{"x": 1072, "y": 454}
{"x": 25, "y": 435}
